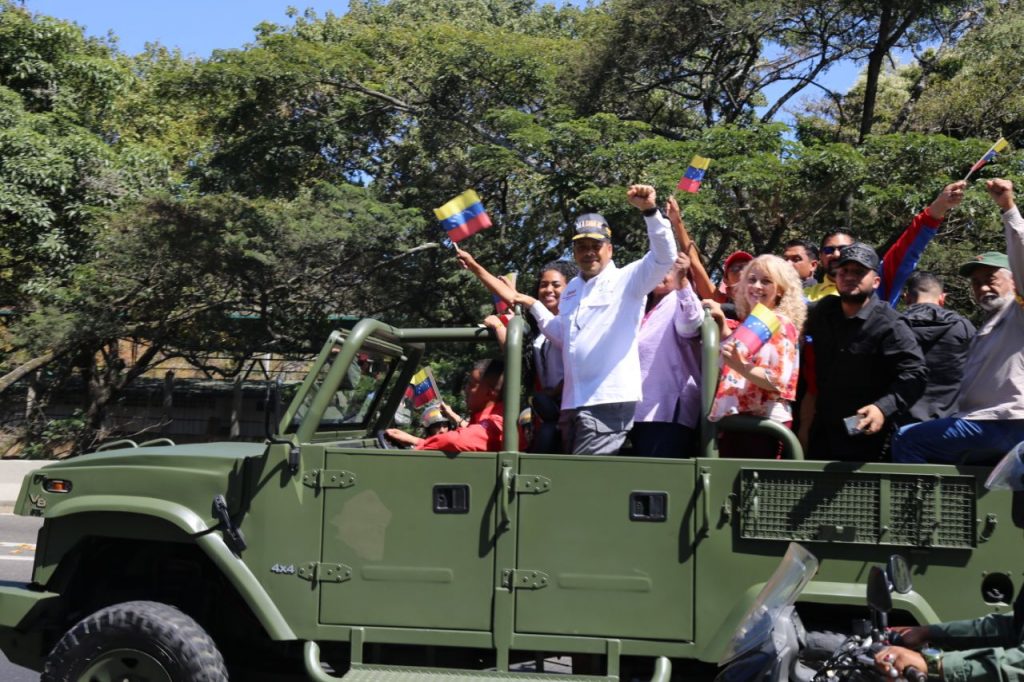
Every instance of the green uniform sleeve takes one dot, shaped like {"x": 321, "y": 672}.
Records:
{"x": 987, "y": 648}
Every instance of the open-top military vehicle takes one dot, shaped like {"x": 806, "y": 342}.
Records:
{"x": 323, "y": 550}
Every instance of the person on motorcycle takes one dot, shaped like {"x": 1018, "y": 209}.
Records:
{"x": 986, "y": 648}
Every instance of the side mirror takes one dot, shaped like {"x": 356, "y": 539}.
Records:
{"x": 899, "y": 574}
{"x": 879, "y": 593}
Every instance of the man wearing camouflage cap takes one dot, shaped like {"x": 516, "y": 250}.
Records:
{"x": 597, "y": 324}
{"x": 989, "y": 420}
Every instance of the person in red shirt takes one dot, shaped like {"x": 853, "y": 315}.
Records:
{"x": 484, "y": 430}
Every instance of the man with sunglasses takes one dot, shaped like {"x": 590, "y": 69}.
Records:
{"x": 901, "y": 258}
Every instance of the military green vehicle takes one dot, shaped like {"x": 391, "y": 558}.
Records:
{"x": 324, "y": 552}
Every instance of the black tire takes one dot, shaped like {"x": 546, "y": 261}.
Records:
{"x": 136, "y": 641}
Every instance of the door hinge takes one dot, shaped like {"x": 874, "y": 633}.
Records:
{"x": 329, "y": 478}
{"x": 523, "y": 484}
{"x": 318, "y": 572}
{"x": 523, "y": 579}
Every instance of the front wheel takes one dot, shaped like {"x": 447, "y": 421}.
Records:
{"x": 137, "y": 641}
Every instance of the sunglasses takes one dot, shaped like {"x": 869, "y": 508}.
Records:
{"x": 829, "y": 250}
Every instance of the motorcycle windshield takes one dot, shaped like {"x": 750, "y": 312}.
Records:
{"x": 781, "y": 590}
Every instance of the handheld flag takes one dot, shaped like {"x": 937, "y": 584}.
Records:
{"x": 463, "y": 216}
{"x": 423, "y": 389}
{"x": 757, "y": 329}
{"x": 991, "y": 154}
{"x": 694, "y": 174}
{"x": 500, "y": 306}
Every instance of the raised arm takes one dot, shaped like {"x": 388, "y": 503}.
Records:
{"x": 702, "y": 283}
{"x": 646, "y": 273}
{"x": 1001, "y": 192}
{"x": 902, "y": 257}
{"x": 497, "y": 286}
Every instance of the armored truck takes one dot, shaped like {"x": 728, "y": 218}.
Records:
{"x": 325, "y": 554}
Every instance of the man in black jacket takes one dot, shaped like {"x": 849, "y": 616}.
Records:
{"x": 944, "y": 336}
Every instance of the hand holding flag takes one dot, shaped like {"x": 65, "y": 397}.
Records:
{"x": 694, "y": 174}
{"x": 991, "y": 154}
{"x": 463, "y": 216}
{"x": 423, "y": 389}
{"x": 756, "y": 329}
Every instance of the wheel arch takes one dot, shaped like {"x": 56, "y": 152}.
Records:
{"x": 167, "y": 519}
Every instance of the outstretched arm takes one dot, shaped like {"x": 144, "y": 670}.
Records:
{"x": 701, "y": 281}
{"x": 901, "y": 259}
{"x": 497, "y": 286}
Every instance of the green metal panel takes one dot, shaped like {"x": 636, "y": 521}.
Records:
{"x": 851, "y": 516}
{"x": 606, "y": 574}
{"x": 410, "y": 566}
{"x": 386, "y": 673}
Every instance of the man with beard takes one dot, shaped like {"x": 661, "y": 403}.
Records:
{"x": 990, "y": 414}
{"x": 861, "y": 362}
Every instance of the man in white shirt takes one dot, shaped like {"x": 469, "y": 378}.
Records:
{"x": 597, "y": 324}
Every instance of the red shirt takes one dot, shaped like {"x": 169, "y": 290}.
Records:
{"x": 484, "y": 434}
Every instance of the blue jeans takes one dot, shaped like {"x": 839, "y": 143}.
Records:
{"x": 956, "y": 441}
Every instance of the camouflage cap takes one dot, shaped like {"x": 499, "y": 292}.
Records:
{"x": 860, "y": 253}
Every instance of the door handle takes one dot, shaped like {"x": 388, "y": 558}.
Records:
{"x": 505, "y": 494}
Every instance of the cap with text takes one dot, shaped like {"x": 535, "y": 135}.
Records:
{"x": 592, "y": 226}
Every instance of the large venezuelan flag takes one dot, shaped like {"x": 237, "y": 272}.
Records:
{"x": 694, "y": 174}
{"x": 757, "y": 329}
{"x": 463, "y": 216}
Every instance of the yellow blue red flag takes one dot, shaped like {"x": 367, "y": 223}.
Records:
{"x": 463, "y": 216}
{"x": 422, "y": 389}
{"x": 991, "y": 154}
{"x": 756, "y": 329}
{"x": 694, "y": 174}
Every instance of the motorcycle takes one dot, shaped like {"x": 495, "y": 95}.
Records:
{"x": 772, "y": 645}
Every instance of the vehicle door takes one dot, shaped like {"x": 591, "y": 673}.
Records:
{"x": 605, "y": 546}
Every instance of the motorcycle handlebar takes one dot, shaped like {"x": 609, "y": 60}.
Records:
{"x": 914, "y": 675}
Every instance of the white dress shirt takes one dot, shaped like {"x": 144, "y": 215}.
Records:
{"x": 598, "y": 320}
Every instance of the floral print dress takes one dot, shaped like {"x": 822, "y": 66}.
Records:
{"x": 780, "y": 361}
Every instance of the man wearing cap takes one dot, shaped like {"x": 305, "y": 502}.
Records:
{"x": 734, "y": 265}
{"x": 990, "y": 413}
{"x": 900, "y": 259}
{"x": 861, "y": 361}
{"x": 597, "y": 324}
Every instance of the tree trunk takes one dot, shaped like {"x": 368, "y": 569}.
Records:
{"x": 874, "y": 71}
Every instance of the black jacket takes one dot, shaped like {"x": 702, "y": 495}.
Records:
{"x": 944, "y": 337}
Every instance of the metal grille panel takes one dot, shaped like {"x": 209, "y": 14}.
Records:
{"x": 890, "y": 509}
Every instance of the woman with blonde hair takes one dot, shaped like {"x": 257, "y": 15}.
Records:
{"x": 762, "y": 383}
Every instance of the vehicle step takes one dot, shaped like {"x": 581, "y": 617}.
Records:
{"x": 391, "y": 673}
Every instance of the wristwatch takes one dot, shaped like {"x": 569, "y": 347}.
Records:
{"x": 648, "y": 212}
{"x": 933, "y": 659}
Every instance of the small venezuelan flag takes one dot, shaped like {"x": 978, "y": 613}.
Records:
{"x": 757, "y": 329}
{"x": 694, "y": 174}
{"x": 991, "y": 154}
{"x": 463, "y": 216}
{"x": 423, "y": 389}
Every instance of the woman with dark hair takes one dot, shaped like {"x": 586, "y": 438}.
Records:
{"x": 544, "y": 372}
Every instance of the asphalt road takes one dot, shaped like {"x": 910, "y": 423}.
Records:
{"x": 17, "y": 549}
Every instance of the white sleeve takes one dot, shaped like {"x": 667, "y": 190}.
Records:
{"x": 550, "y": 325}
{"x": 643, "y": 275}
{"x": 1013, "y": 226}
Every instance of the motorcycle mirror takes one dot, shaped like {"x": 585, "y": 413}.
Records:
{"x": 879, "y": 594}
{"x": 899, "y": 574}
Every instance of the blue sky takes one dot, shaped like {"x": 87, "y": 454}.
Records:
{"x": 200, "y": 26}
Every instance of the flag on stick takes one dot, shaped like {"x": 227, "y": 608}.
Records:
{"x": 463, "y": 216}
{"x": 694, "y": 174}
{"x": 991, "y": 154}
{"x": 422, "y": 389}
{"x": 757, "y": 329}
